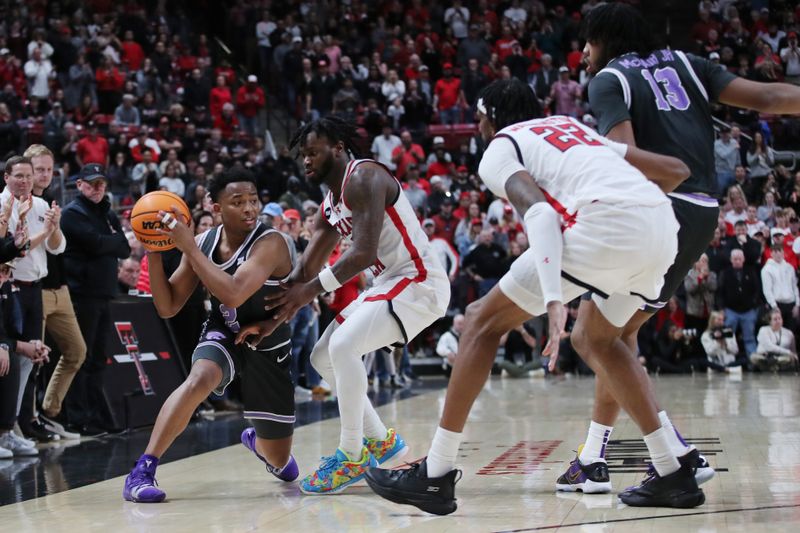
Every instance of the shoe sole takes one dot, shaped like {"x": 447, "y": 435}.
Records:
{"x": 392, "y": 459}
{"x": 704, "y": 475}
{"x": 587, "y": 487}
{"x": 433, "y": 507}
{"x": 127, "y": 497}
{"x": 685, "y": 500}
{"x": 337, "y": 490}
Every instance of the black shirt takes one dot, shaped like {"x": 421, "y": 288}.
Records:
{"x": 667, "y": 97}
{"x": 486, "y": 261}
{"x": 739, "y": 289}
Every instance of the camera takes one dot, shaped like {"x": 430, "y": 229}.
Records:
{"x": 689, "y": 332}
{"x": 721, "y": 333}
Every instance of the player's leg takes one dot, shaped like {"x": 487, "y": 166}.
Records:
{"x": 268, "y": 395}
{"x": 597, "y": 338}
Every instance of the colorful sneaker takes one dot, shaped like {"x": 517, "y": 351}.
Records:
{"x": 393, "y": 446}
{"x": 589, "y": 479}
{"x": 412, "y": 486}
{"x": 287, "y": 473}
{"x": 141, "y": 485}
{"x": 337, "y": 472}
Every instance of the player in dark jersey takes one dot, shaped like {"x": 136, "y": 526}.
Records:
{"x": 239, "y": 262}
{"x": 659, "y": 100}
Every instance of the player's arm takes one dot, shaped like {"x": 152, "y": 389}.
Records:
{"x": 777, "y": 98}
{"x": 233, "y": 290}
{"x": 665, "y": 171}
{"x": 323, "y": 240}
{"x": 170, "y": 295}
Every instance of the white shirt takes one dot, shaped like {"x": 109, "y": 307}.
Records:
{"x": 382, "y": 149}
{"x": 263, "y": 31}
{"x": 771, "y": 341}
{"x": 448, "y": 343}
{"x": 32, "y": 267}
{"x": 572, "y": 164}
{"x": 457, "y": 20}
{"x": 779, "y": 283}
{"x": 38, "y": 75}
{"x": 173, "y": 185}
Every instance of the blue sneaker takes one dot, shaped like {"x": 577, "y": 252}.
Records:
{"x": 140, "y": 485}
{"x": 589, "y": 479}
{"x": 287, "y": 473}
{"x": 338, "y": 472}
{"x": 393, "y": 446}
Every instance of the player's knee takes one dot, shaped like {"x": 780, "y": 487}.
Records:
{"x": 478, "y": 322}
{"x": 202, "y": 379}
{"x": 580, "y": 341}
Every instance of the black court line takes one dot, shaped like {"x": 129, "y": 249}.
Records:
{"x": 619, "y": 520}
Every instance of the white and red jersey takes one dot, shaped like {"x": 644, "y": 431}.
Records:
{"x": 572, "y": 164}
{"x": 404, "y": 254}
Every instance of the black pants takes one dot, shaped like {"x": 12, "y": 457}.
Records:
{"x": 786, "y": 315}
{"x": 30, "y": 302}
{"x": 9, "y": 387}
{"x": 86, "y": 403}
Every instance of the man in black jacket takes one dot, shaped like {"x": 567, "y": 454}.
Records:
{"x": 739, "y": 294}
{"x": 95, "y": 242}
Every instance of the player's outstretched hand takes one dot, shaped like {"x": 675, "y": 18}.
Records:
{"x": 252, "y": 334}
{"x": 176, "y": 229}
{"x": 292, "y": 297}
{"x": 557, "y": 319}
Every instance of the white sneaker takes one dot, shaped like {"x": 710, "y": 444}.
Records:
{"x": 18, "y": 432}
{"x": 17, "y": 445}
{"x": 734, "y": 370}
{"x": 302, "y": 391}
{"x": 5, "y": 453}
{"x": 54, "y": 427}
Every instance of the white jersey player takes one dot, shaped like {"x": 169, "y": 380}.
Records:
{"x": 594, "y": 223}
{"x": 411, "y": 290}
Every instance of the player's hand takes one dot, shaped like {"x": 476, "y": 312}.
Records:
{"x": 176, "y": 229}
{"x": 557, "y": 319}
{"x": 5, "y": 362}
{"x": 290, "y": 299}
{"x": 253, "y": 334}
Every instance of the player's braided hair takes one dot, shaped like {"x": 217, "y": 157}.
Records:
{"x": 619, "y": 29}
{"x": 507, "y": 102}
{"x": 333, "y": 128}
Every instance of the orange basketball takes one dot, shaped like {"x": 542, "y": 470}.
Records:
{"x": 145, "y": 220}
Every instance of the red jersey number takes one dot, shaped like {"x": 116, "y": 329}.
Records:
{"x": 565, "y": 136}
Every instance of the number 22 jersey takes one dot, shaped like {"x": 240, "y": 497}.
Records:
{"x": 572, "y": 165}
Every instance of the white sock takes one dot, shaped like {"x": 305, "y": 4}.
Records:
{"x": 678, "y": 447}
{"x": 594, "y": 449}
{"x": 443, "y": 452}
{"x": 373, "y": 426}
{"x": 664, "y": 460}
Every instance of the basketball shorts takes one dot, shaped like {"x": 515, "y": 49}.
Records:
{"x": 267, "y": 389}
{"x": 619, "y": 253}
{"x": 414, "y": 305}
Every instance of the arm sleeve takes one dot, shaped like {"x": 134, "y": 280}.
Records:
{"x": 500, "y": 161}
{"x": 607, "y": 102}
{"x": 714, "y": 77}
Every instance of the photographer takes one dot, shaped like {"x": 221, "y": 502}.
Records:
{"x": 776, "y": 346}
{"x": 676, "y": 353}
{"x": 719, "y": 342}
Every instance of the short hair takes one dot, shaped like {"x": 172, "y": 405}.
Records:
{"x": 198, "y": 215}
{"x": 16, "y": 160}
{"x": 235, "y": 174}
{"x": 38, "y": 150}
{"x": 774, "y": 248}
{"x": 508, "y": 102}
{"x": 619, "y": 29}
{"x": 736, "y": 251}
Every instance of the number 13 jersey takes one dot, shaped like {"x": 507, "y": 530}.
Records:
{"x": 572, "y": 165}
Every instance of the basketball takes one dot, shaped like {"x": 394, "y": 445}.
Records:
{"x": 146, "y": 222}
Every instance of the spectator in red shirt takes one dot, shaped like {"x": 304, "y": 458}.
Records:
{"x": 143, "y": 142}
{"x": 575, "y": 56}
{"x": 92, "y": 149}
{"x": 504, "y": 46}
{"x": 447, "y": 96}
{"x": 406, "y": 153}
{"x": 227, "y": 122}
{"x": 132, "y": 53}
{"x": 219, "y": 96}
{"x": 445, "y": 222}
{"x": 109, "y": 86}
{"x": 250, "y": 100}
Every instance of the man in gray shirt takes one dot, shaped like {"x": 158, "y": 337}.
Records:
{"x": 726, "y": 158}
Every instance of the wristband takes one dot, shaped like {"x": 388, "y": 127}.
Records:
{"x": 328, "y": 280}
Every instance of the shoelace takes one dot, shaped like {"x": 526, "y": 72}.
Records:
{"x": 144, "y": 477}
{"x": 328, "y": 465}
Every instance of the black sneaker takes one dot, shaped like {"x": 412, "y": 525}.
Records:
{"x": 589, "y": 479}
{"x": 679, "y": 489}
{"x": 35, "y": 430}
{"x": 413, "y": 487}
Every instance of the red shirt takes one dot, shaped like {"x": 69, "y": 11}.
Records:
{"x": 574, "y": 59}
{"x": 407, "y": 158}
{"x": 445, "y": 228}
{"x": 90, "y": 151}
{"x": 438, "y": 169}
{"x": 132, "y": 54}
{"x": 109, "y": 81}
{"x": 219, "y": 96}
{"x": 447, "y": 91}
{"x": 249, "y": 101}
{"x": 504, "y": 47}
{"x": 226, "y": 125}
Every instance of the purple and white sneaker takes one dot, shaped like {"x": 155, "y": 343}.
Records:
{"x": 287, "y": 473}
{"x": 141, "y": 485}
{"x": 589, "y": 479}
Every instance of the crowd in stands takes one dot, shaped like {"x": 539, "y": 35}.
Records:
{"x": 145, "y": 97}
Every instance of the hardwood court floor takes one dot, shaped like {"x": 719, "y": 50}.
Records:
{"x": 520, "y": 438}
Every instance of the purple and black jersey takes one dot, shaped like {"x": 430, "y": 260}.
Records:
{"x": 667, "y": 98}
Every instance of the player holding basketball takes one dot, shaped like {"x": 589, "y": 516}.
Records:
{"x": 410, "y": 291}
{"x": 660, "y": 101}
{"x": 239, "y": 263}
{"x": 580, "y": 201}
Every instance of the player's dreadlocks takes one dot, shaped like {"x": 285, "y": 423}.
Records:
{"x": 507, "y": 102}
{"x": 332, "y": 128}
{"x": 619, "y": 29}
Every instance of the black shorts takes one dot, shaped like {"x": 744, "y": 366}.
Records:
{"x": 697, "y": 224}
{"x": 267, "y": 389}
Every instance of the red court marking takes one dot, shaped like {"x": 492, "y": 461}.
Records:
{"x": 522, "y": 458}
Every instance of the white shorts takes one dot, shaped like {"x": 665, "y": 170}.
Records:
{"x": 619, "y": 253}
{"x": 415, "y": 305}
